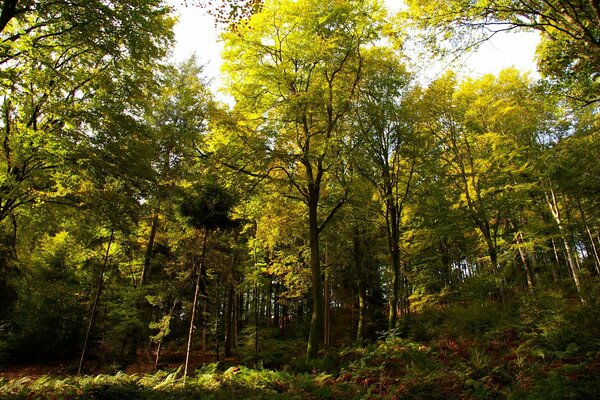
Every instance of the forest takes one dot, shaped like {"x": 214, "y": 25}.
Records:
{"x": 340, "y": 228}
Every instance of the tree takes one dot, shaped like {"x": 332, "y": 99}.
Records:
{"x": 483, "y": 132}
{"x": 569, "y": 53}
{"x": 294, "y": 70}
{"x": 178, "y": 120}
{"x": 73, "y": 77}
{"x": 59, "y": 59}
{"x": 207, "y": 209}
{"x": 389, "y": 142}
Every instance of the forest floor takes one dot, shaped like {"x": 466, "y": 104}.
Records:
{"x": 540, "y": 351}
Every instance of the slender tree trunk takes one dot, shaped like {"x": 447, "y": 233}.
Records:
{"x": 237, "y": 318}
{"x": 229, "y": 320}
{"x": 493, "y": 256}
{"x": 394, "y": 243}
{"x": 217, "y": 319}
{"x": 316, "y": 322}
{"x": 256, "y": 302}
{"x": 525, "y": 261}
{"x": 358, "y": 265}
{"x": 406, "y": 295}
{"x": 555, "y": 210}
{"x": 94, "y": 312}
{"x": 204, "y": 308}
{"x": 278, "y": 305}
{"x": 141, "y": 303}
{"x": 590, "y": 236}
{"x": 269, "y": 305}
{"x": 192, "y": 318}
{"x": 558, "y": 263}
{"x": 492, "y": 252}
{"x": 158, "y": 351}
{"x": 327, "y": 316}
{"x": 194, "y": 304}
{"x": 284, "y": 320}
{"x": 571, "y": 238}
{"x": 240, "y": 318}
{"x": 255, "y": 307}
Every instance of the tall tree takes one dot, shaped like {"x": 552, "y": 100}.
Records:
{"x": 389, "y": 143}
{"x": 207, "y": 209}
{"x": 178, "y": 120}
{"x": 294, "y": 69}
{"x": 483, "y": 130}
{"x": 73, "y": 77}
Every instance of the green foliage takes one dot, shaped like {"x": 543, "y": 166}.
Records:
{"x": 469, "y": 206}
{"x": 46, "y": 322}
{"x": 209, "y": 383}
{"x": 209, "y": 207}
{"x": 478, "y": 352}
{"x": 567, "y": 54}
{"x": 557, "y": 329}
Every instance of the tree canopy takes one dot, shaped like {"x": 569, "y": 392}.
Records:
{"x": 342, "y": 228}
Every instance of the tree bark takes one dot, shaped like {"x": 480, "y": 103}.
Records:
{"x": 94, "y": 312}
{"x": 204, "y": 307}
{"x": 558, "y": 276}
{"x": 316, "y": 322}
{"x": 157, "y": 359}
{"x": 327, "y": 309}
{"x": 394, "y": 243}
{"x": 590, "y": 236}
{"x": 194, "y": 302}
{"x": 217, "y": 319}
{"x": 525, "y": 261}
{"x": 555, "y": 210}
{"x": 269, "y": 305}
{"x": 9, "y": 11}
{"x": 358, "y": 265}
{"x": 229, "y": 320}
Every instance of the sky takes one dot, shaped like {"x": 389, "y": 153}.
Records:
{"x": 195, "y": 32}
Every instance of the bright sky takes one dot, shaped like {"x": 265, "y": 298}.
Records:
{"x": 196, "y": 33}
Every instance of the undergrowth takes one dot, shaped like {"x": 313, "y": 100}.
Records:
{"x": 544, "y": 347}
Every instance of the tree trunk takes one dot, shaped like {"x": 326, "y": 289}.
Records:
{"x": 237, "y": 318}
{"x": 194, "y": 302}
{"x": 204, "y": 308}
{"x": 554, "y": 209}
{"x": 276, "y": 305}
{"x": 256, "y": 302}
{"x": 590, "y": 236}
{"x": 157, "y": 359}
{"x": 217, "y": 318}
{"x": 316, "y": 322}
{"x": 94, "y": 312}
{"x": 525, "y": 261}
{"x": 229, "y": 320}
{"x": 394, "y": 243}
{"x": 142, "y": 305}
{"x": 9, "y": 11}
{"x": 269, "y": 305}
{"x": 327, "y": 309}
{"x": 358, "y": 265}
{"x": 558, "y": 276}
